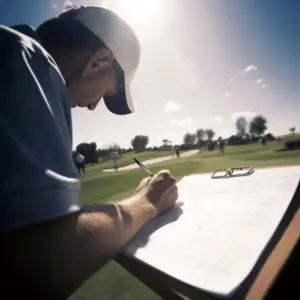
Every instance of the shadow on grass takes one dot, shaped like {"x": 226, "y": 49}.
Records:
{"x": 286, "y": 150}
{"x": 143, "y": 237}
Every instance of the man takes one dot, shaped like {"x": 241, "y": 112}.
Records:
{"x": 50, "y": 244}
{"x": 173, "y": 151}
{"x": 80, "y": 163}
{"x": 178, "y": 151}
{"x": 115, "y": 157}
{"x": 221, "y": 144}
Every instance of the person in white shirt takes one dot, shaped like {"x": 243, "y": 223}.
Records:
{"x": 115, "y": 158}
{"x": 80, "y": 163}
{"x": 173, "y": 151}
{"x": 177, "y": 151}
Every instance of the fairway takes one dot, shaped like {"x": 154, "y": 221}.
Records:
{"x": 113, "y": 282}
{"x": 127, "y": 158}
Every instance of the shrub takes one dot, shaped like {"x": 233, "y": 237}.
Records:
{"x": 292, "y": 145}
{"x": 235, "y": 140}
{"x": 270, "y": 137}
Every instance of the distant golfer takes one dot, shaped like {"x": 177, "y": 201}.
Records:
{"x": 262, "y": 142}
{"x": 115, "y": 158}
{"x": 174, "y": 151}
{"x": 177, "y": 151}
{"x": 80, "y": 163}
{"x": 50, "y": 243}
{"x": 221, "y": 144}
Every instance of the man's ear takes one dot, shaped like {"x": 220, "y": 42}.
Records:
{"x": 100, "y": 60}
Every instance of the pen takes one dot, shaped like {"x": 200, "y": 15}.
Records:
{"x": 143, "y": 167}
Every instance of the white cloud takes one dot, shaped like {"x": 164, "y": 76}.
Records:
{"x": 104, "y": 4}
{"x": 169, "y": 135}
{"x": 246, "y": 114}
{"x": 172, "y": 106}
{"x": 211, "y": 117}
{"x": 174, "y": 137}
{"x": 250, "y": 68}
{"x": 227, "y": 94}
{"x": 100, "y": 144}
{"x": 259, "y": 81}
{"x": 231, "y": 80}
{"x": 193, "y": 129}
{"x": 185, "y": 122}
{"x": 217, "y": 118}
{"x": 264, "y": 85}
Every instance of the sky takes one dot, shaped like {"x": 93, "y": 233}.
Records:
{"x": 203, "y": 64}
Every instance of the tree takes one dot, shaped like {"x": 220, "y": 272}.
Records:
{"x": 270, "y": 137}
{"x": 114, "y": 147}
{"x": 236, "y": 140}
{"x": 209, "y": 133}
{"x": 89, "y": 151}
{"x": 258, "y": 126}
{"x": 292, "y": 130}
{"x": 189, "y": 139}
{"x": 241, "y": 126}
{"x": 166, "y": 143}
{"x": 93, "y": 146}
{"x": 200, "y": 133}
{"x": 139, "y": 143}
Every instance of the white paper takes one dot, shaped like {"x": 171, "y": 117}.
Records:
{"x": 213, "y": 240}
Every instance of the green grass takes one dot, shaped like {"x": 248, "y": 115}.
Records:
{"x": 113, "y": 282}
{"x": 127, "y": 159}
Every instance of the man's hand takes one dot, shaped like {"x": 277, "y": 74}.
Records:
{"x": 160, "y": 190}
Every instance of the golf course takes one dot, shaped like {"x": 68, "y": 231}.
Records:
{"x": 113, "y": 282}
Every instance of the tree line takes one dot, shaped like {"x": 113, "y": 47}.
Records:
{"x": 256, "y": 127}
{"x": 246, "y": 132}
{"x": 91, "y": 153}
{"x": 200, "y": 137}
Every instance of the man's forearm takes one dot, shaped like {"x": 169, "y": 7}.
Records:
{"x": 57, "y": 256}
{"x": 115, "y": 224}
{"x": 105, "y": 230}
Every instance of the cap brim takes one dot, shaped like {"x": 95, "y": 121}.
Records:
{"x": 120, "y": 103}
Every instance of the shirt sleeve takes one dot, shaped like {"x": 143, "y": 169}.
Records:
{"x": 38, "y": 178}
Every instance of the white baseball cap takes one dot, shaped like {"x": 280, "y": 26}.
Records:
{"x": 121, "y": 40}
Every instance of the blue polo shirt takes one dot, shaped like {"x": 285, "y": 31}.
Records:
{"x": 38, "y": 179}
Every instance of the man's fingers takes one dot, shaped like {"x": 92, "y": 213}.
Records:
{"x": 173, "y": 191}
{"x": 172, "y": 195}
{"x": 165, "y": 175}
{"x": 143, "y": 183}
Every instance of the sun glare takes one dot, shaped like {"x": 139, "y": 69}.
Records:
{"x": 139, "y": 11}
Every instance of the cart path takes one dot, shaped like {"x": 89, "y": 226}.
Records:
{"x": 153, "y": 161}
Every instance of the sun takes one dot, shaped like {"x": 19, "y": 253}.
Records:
{"x": 139, "y": 11}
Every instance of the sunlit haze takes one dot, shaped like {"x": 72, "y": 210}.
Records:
{"x": 204, "y": 63}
